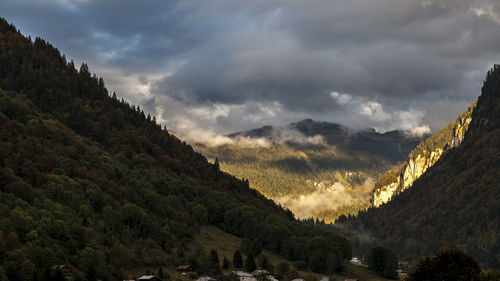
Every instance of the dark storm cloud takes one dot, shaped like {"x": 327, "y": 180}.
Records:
{"x": 128, "y": 33}
{"x": 373, "y": 48}
{"x": 228, "y": 65}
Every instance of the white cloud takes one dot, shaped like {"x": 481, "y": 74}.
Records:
{"x": 330, "y": 198}
{"x": 193, "y": 133}
{"x": 374, "y": 114}
{"x": 342, "y": 99}
{"x": 419, "y": 131}
{"x": 284, "y": 135}
{"x": 488, "y": 12}
{"x": 374, "y": 110}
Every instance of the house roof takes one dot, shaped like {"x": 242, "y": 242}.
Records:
{"x": 242, "y": 273}
{"x": 259, "y": 272}
{"x": 59, "y": 266}
{"x": 184, "y": 266}
{"x": 205, "y": 278}
{"x": 148, "y": 277}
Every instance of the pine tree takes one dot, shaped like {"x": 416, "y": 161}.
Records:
{"x": 225, "y": 263}
{"x": 250, "y": 263}
{"x": 213, "y": 262}
{"x": 160, "y": 273}
{"x": 216, "y": 164}
{"x": 237, "y": 259}
{"x": 84, "y": 70}
{"x": 214, "y": 257}
{"x": 263, "y": 261}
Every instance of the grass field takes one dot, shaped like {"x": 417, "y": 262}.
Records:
{"x": 211, "y": 237}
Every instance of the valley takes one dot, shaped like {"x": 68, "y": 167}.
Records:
{"x": 316, "y": 169}
{"x": 93, "y": 183}
{"x": 192, "y": 171}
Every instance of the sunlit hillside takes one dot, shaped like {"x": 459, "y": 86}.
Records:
{"x": 455, "y": 202}
{"x": 316, "y": 169}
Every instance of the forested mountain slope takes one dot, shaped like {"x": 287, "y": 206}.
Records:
{"x": 426, "y": 154}
{"x": 90, "y": 181}
{"x": 455, "y": 202}
{"x": 317, "y": 169}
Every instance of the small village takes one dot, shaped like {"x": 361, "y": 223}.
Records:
{"x": 189, "y": 272}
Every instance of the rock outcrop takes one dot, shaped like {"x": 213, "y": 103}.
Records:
{"x": 424, "y": 156}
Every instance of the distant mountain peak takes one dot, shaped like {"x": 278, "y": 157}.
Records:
{"x": 262, "y": 132}
{"x": 394, "y": 144}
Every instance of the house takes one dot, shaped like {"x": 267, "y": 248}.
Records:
{"x": 324, "y": 279}
{"x": 206, "y": 278}
{"x": 404, "y": 265}
{"x": 260, "y": 272}
{"x": 185, "y": 269}
{"x": 66, "y": 271}
{"x": 272, "y": 278}
{"x": 401, "y": 272}
{"x": 242, "y": 276}
{"x": 149, "y": 278}
{"x": 356, "y": 261}
{"x": 298, "y": 279}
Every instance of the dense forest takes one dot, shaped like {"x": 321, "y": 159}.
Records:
{"x": 455, "y": 203}
{"x": 90, "y": 181}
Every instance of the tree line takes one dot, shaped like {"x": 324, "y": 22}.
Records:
{"x": 93, "y": 182}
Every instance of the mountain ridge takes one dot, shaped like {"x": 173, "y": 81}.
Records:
{"x": 305, "y": 163}
{"x": 93, "y": 182}
{"x": 394, "y": 143}
{"x": 455, "y": 202}
{"x": 421, "y": 158}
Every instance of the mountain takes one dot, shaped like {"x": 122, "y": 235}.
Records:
{"x": 393, "y": 145}
{"x": 421, "y": 158}
{"x": 455, "y": 203}
{"x": 317, "y": 169}
{"x": 92, "y": 182}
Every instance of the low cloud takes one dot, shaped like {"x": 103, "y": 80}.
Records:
{"x": 419, "y": 131}
{"x": 328, "y": 198}
{"x": 374, "y": 114}
{"x": 192, "y": 133}
{"x": 298, "y": 138}
{"x": 282, "y": 135}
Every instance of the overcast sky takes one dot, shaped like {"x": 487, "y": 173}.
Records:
{"x": 206, "y": 67}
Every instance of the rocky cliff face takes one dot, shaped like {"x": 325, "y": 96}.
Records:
{"x": 422, "y": 158}
{"x": 460, "y": 129}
